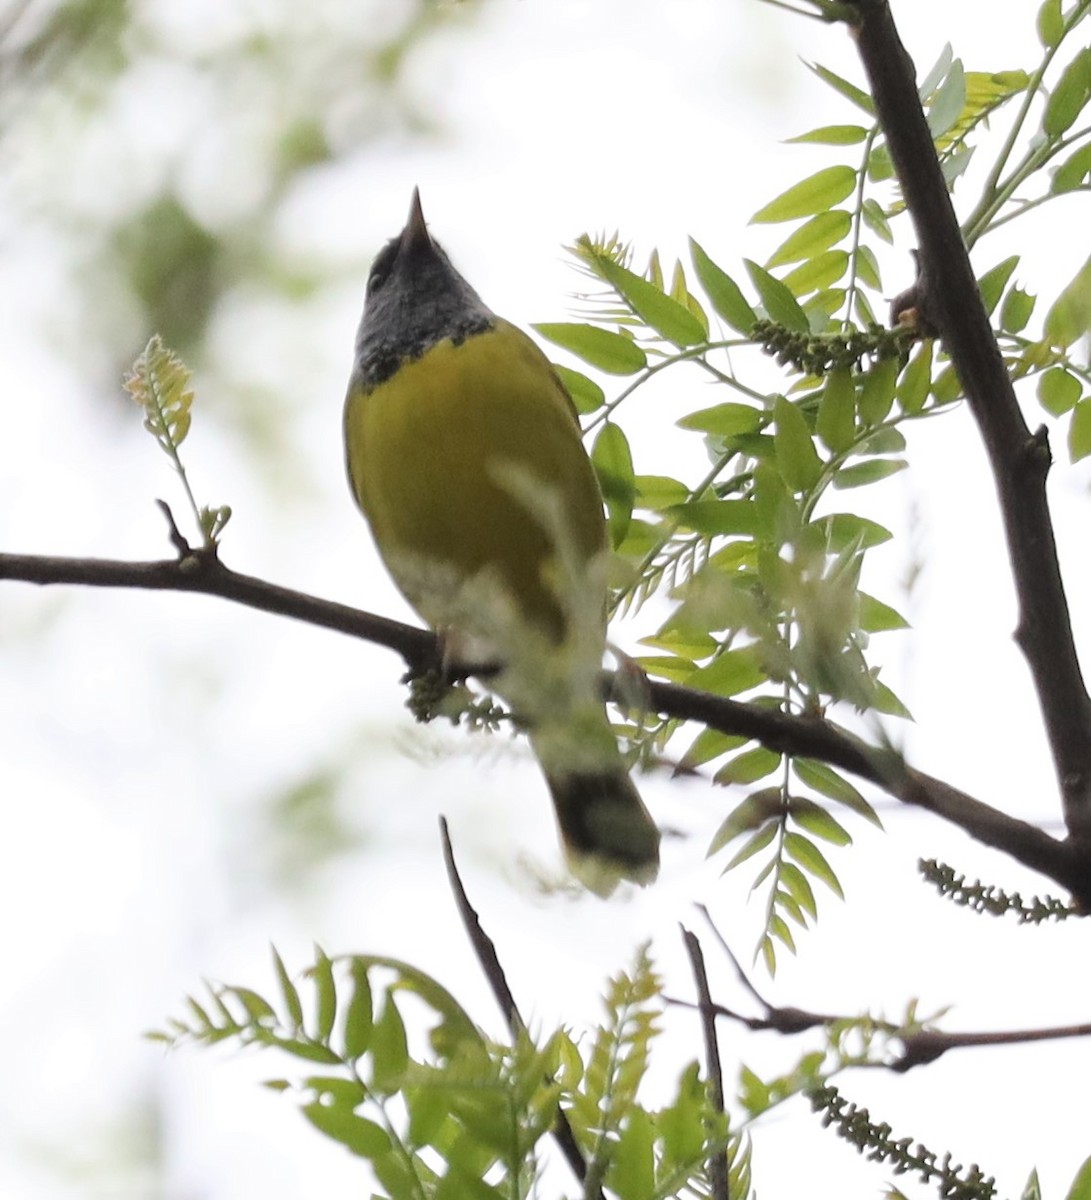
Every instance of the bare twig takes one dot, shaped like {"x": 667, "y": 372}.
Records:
{"x": 918, "y": 1046}
{"x": 177, "y": 540}
{"x": 717, "y": 1167}
{"x": 484, "y": 946}
{"x": 927, "y": 1045}
{"x": 485, "y": 949}
{"x": 1019, "y": 460}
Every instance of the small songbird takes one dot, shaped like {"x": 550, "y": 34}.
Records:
{"x": 464, "y": 454}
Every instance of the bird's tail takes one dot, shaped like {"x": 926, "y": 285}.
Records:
{"x": 607, "y": 832}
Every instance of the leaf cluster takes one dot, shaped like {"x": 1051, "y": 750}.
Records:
{"x": 463, "y": 1115}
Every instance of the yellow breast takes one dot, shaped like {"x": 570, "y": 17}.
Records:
{"x": 468, "y": 465}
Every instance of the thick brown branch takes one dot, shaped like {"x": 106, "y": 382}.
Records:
{"x": 1019, "y": 460}
{"x": 810, "y": 737}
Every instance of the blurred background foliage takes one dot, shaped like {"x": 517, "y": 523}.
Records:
{"x": 168, "y": 152}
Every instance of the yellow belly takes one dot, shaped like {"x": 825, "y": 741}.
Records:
{"x": 468, "y": 465}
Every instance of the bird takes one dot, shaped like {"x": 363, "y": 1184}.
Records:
{"x": 464, "y": 454}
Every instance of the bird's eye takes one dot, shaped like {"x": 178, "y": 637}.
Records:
{"x": 381, "y": 267}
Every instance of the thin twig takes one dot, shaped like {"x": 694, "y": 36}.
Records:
{"x": 718, "y": 1166}
{"x": 918, "y": 1047}
{"x": 177, "y": 540}
{"x": 485, "y": 949}
{"x": 484, "y": 946}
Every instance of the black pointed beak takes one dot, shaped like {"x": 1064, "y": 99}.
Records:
{"x": 415, "y": 234}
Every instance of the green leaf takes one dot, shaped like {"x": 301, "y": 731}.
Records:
{"x": 1016, "y": 310}
{"x": 821, "y": 306}
{"x": 779, "y": 929}
{"x": 710, "y": 744}
{"x": 867, "y": 268}
{"x": 586, "y": 394}
{"x": 720, "y": 517}
{"x": 994, "y": 281}
{"x": 834, "y": 786}
{"x": 159, "y": 383}
{"x": 657, "y": 310}
{"x": 726, "y": 296}
{"x": 680, "y": 292}
{"x": 916, "y": 379}
{"x": 1050, "y": 24}
{"x": 862, "y": 474}
{"x": 1079, "y": 431}
{"x": 657, "y": 492}
{"x": 884, "y": 700}
{"x": 836, "y": 421}
{"x": 816, "y": 820}
{"x": 680, "y": 1125}
{"x": 797, "y": 459}
{"x": 948, "y": 102}
{"x": 946, "y": 386}
{"x": 842, "y": 86}
{"x": 798, "y": 887}
{"x": 880, "y": 167}
{"x": 877, "y": 617}
{"x": 258, "y": 1009}
{"x": 751, "y": 813}
{"x": 818, "y": 273}
{"x": 613, "y": 463}
{"x": 887, "y": 439}
{"x": 937, "y": 74}
{"x": 753, "y": 845}
{"x": 822, "y": 231}
{"x": 844, "y": 530}
{"x": 389, "y": 1051}
{"x": 877, "y": 391}
{"x": 864, "y": 312}
{"x": 875, "y": 219}
{"x": 748, "y": 767}
{"x": 359, "y": 1018}
{"x": 724, "y": 420}
{"x": 292, "y": 1004}
{"x": 358, "y": 1134}
{"x": 1068, "y": 98}
{"x": 780, "y": 305}
{"x": 1070, "y": 317}
{"x": 831, "y": 135}
{"x": 1058, "y": 390}
{"x": 812, "y": 860}
{"x": 817, "y": 193}
{"x": 301, "y": 1048}
{"x": 1081, "y": 1185}
{"x": 1073, "y": 172}
{"x": 632, "y": 1164}
{"x": 608, "y": 351}
{"x": 729, "y": 673}
{"x": 326, "y": 994}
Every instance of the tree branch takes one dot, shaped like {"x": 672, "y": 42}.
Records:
{"x": 201, "y": 571}
{"x": 1019, "y": 460}
{"x": 485, "y": 949}
{"x": 718, "y": 1167}
{"x": 919, "y": 1046}
{"x": 1068, "y": 862}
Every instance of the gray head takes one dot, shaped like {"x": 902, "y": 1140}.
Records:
{"x": 415, "y": 298}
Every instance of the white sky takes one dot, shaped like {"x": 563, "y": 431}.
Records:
{"x": 141, "y": 736}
